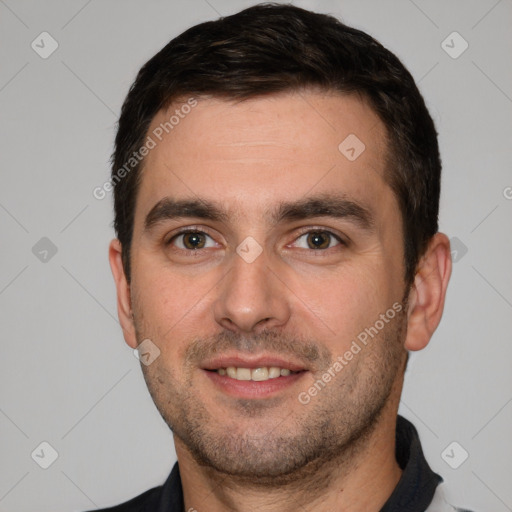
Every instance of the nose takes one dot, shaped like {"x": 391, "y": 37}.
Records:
{"x": 251, "y": 297}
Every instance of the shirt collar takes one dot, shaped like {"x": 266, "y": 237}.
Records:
{"x": 418, "y": 483}
{"x": 171, "y": 498}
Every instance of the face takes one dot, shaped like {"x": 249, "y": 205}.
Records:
{"x": 266, "y": 258}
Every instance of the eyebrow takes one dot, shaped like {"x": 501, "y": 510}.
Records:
{"x": 325, "y": 205}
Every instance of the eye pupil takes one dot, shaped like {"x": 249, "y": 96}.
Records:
{"x": 318, "y": 240}
{"x": 193, "y": 240}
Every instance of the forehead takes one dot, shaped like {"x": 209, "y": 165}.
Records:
{"x": 250, "y": 154}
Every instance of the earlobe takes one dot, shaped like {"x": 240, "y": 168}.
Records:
{"x": 124, "y": 308}
{"x": 428, "y": 293}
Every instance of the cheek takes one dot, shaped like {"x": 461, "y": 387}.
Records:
{"x": 343, "y": 303}
{"x": 170, "y": 308}
{"x": 163, "y": 295}
{"x": 357, "y": 305}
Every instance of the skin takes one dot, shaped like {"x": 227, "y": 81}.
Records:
{"x": 306, "y": 305}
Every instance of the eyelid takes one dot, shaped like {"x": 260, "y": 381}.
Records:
{"x": 318, "y": 229}
{"x": 188, "y": 229}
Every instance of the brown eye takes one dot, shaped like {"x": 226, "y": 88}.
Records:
{"x": 192, "y": 240}
{"x": 319, "y": 240}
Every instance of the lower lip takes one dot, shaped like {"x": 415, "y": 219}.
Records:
{"x": 252, "y": 388}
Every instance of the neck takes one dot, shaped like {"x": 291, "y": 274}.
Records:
{"x": 360, "y": 479}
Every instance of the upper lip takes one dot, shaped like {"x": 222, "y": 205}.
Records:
{"x": 252, "y": 361}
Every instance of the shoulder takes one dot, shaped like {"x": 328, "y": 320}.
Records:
{"x": 145, "y": 502}
{"x": 439, "y": 502}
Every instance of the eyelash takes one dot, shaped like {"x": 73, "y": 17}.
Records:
{"x": 192, "y": 229}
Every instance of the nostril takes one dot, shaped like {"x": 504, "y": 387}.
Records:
{"x": 263, "y": 321}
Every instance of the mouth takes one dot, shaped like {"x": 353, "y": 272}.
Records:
{"x": 256, "y": 377}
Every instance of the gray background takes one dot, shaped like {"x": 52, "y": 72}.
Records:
{"x": 67, "y": 376}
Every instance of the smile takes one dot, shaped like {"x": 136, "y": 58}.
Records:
{"x": 256, "y": 374}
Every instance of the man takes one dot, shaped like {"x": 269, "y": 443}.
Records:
{"x": 276, "y": 178}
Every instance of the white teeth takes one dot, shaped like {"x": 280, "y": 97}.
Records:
{"x": 243, "y": 374}
{"x": 259, "y": 374}
{"x": 274, "y": 372}
{"x": 256, "y": 374}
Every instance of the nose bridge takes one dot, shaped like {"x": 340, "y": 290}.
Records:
{"x": 251, "y": 297}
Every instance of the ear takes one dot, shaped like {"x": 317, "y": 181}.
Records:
{"x": 428, "y": 292}
{"x": 124, "y": 305}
